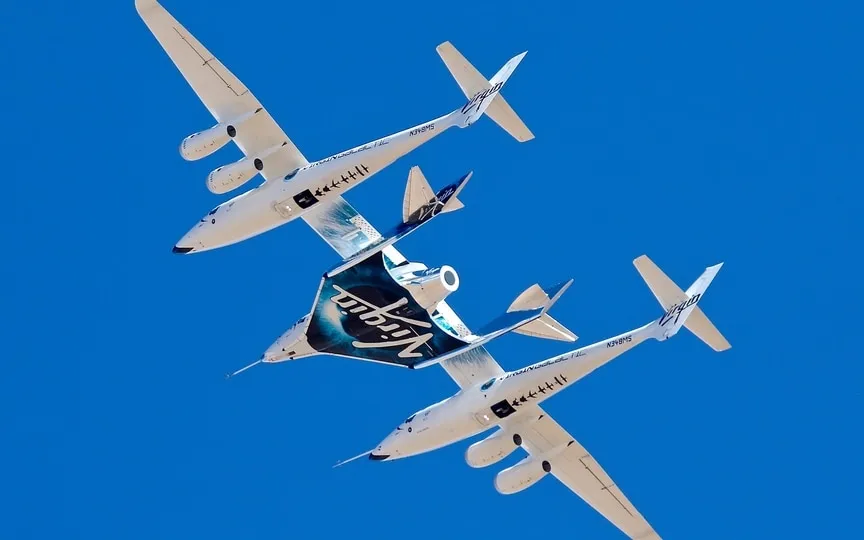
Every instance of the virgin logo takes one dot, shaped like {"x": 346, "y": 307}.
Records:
{"x": 676, "y": 310}
{"x": 391, "y": 330}
{"x": 475, "y": 102}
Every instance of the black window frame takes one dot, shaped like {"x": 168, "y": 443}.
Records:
{"x": 305, "y": 199}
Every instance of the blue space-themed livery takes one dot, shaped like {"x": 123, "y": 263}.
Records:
{"x": 364, "y": 313}
{"x": 376, "y": 305}
{"x": 369, "y": 312}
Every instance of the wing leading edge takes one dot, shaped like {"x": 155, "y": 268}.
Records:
{"x": 580, "y": 472}
{"x": 224, "y": 95}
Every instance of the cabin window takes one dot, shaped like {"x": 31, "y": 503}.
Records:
{"x": 488, "y": 384}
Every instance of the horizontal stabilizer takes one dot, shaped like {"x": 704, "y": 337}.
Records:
{"x": 527, "y": 315}
{"x": 531, "y": 320}
{"x": 484, "y": 96}
{"x": 470, "y": 80}
{"x": 548, "y": 328}
{"x": 680, "y": 306}
{"x": 664, "y": 289}
{"x": 699, "y": 324}
{"x": 502, "y": 114}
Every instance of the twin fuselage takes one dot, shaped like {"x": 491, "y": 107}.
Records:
{"x": 505, "y": 399}
{"x": 306, "y": 189}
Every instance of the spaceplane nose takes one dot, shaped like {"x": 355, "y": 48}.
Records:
{"x": 270, "y": 356}
{"x": 181, "y": 249}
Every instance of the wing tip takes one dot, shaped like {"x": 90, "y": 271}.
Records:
{"x": 146, "y": 5}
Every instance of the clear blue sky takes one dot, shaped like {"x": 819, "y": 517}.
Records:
{"x": 692, "y": 134}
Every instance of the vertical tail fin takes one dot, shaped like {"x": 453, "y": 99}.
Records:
{"x": 680, "y": 306}
{"x": 483, "y": 96}
{"x": 421, "y": 202}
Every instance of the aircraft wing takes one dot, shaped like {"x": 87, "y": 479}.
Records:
{"x": 345, "y": 230}
{"x": 222, "y": 93}
{"x": 471, "y": 367}
{"x": 580, "y": 472}
{"x": 574, "y": 466}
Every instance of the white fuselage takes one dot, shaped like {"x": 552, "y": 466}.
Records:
{"x": 313, "y": 186}
{"x": 506, "y": 398}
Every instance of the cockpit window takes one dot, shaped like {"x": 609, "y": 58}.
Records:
{"x": 410, "y": 418}
{"x": 213, "y": 211}
{"x": 488, "y": 384}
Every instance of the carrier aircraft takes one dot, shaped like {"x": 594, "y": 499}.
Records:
{"x": 509, "y": 402}
{"x": 294, "y": 187}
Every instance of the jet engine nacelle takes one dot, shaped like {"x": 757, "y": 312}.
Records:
{"x": 234, "y": 175}
{"x": 429, "y": 287}
{"x": 202, "y": 144}
{"x": 229, "y": 177}
{"x": 492, "y": 449}
{"x": 521, "y": 476}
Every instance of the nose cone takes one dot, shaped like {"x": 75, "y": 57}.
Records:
{"x": 282, "y": 349}
{"x": 389, "y": 449}
{"x": 274, "y": 353}
{"x": 291, "y": 345}
{"x": 194, "y": 241}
